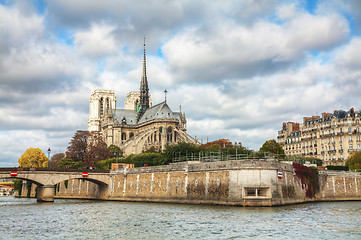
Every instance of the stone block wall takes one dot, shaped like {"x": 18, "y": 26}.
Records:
{"x": 240, "y": 183}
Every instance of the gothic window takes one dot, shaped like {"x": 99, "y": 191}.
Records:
{"x": 108, "y": 106}
{"x": 101, "y": 106}
{"x": 160, "y": 133}
{"x": 124, "y": 136}
{"x": 169, "y": 134}
{"x": 175, "y": 136}
{"x": 131, "y": 135}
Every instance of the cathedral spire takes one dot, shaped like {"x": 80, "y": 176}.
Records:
{"x": 144, "y": 90}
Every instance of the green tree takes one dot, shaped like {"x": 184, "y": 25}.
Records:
{"x": 33, "y": 157}
{"x": 179, "y": 150}
{"x": 105, "y": 164}
{"x": 354, "y": 161}
{"x": 55, "y": 159}
{"x": 115, "y": 150}
{"x": 69, "y": 163}
{"x": 273, "y": 147}
{"x": 152, "y": 149}
{"x": 150, "y": 159}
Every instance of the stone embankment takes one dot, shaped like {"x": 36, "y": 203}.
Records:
{"x": 236, "y": 183}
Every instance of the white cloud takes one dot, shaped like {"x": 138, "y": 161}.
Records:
{"x": 18, "y": 29}
{"x": 238, "y": 68}
{"x": 96, "y": 42}
{"x": 230, "y": 49}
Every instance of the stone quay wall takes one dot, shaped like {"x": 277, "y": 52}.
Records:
{"x": 236, "y": 183}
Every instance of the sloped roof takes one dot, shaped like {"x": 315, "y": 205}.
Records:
{"x": 159, "y": 111}
{"x": 129, "y": 115}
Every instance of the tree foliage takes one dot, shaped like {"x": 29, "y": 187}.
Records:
{"x": 180, "y": 149}
{"x": 148, "y": 159}
{"x": 33, "y": 157}
{"x": 273, "y": 147}
{"x": 152, "y": 149}
{"x": 77, "y": 148}
{"x": 69, "y": 163}
{"x": 53, "y": 163}
{"x": 105, "y": 164}
{"x": 88, "y": 148}
{"x": 222, "y": 143}
{"x": 115, "y": 150}
{"x": 353, "y": 162}
{"x": 97, "y": 150}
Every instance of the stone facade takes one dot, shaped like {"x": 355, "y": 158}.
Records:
{"x": 331, "y": 138}
{"x": 139, "y": 126}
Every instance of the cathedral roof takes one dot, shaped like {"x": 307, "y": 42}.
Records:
{"x": 159, "y": 111}
{"x": 127, "y": 116}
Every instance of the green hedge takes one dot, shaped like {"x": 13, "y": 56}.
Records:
{"x": 337, "y": 168}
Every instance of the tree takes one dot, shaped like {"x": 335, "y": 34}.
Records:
{"x": 78, "y": 146}
{"x": 152, "y": 149}
{"x": 97, "y": 150}
{"x": 69, "y": 163}
{"x": 116, "y": 151}
{"x": 55, "y": 159}
{"x": 354, "y": 161}
{"x": 33, "y": 157}
{"x": 223, "y": 143}
{"x": 271, "y": 146}
{"x": 150, "y": 159}
{"x": 180, "y": 149}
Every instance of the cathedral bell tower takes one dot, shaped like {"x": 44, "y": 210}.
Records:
{"x": 144, "y": 90}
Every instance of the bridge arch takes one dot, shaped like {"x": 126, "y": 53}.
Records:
{"x": 45, "y": 181}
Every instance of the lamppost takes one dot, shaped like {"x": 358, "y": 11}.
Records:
{"x": 49, "y": 151}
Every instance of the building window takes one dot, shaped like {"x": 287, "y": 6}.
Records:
{"x": 357, "y": 122}
{"x": 358, "y": 138}
{"x": 101, "y": 106}
{"x": 350, "y": 138}
{"x": 358, "y": 147}
{"x": 124, "y": 136}
{"x": 349, "y": 130}
{"x": 350, "y": 147}
{"x": 349, "y": 122}
{"x": 357, "y": 130}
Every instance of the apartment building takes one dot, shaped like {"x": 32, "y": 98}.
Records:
{"x": 331, "y": 138}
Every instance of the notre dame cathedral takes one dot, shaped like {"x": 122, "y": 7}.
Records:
{"x": 139, "y": 126}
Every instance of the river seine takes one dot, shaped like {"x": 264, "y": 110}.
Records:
{"x": 81, "y": 219}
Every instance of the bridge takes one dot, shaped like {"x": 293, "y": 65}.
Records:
{"x": 46, "y": 178}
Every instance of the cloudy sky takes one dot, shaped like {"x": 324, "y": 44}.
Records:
{"x": 238, "y": 68}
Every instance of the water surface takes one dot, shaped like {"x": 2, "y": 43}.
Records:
{"x": 81, "y": 219}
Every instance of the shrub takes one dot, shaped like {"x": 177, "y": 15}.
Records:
{"x": 337, "y": 168}
{"x": 309, "y": 178}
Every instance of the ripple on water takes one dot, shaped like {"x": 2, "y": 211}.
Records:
{"x": 80, "y": 219}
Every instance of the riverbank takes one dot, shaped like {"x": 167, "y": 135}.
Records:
{"x": 233, "y": 183}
